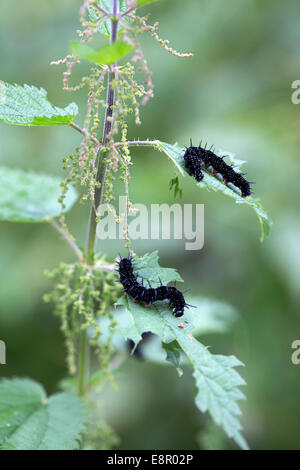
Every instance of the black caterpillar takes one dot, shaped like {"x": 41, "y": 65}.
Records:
{"x": 197, "y": 158}
{"x": 149, "y": 295}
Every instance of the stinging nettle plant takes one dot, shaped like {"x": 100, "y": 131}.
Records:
{"x": 93, "y": 311}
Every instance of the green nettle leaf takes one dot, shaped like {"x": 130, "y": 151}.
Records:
{"x": 29, "y": 106}
{"x": 173, "y": 355}
{"x": 208, "y": 316}
{"x": 30, "y": 197}
{"x": 107, "y": 5}
{"x": 140, "y": 3}
{"x": 174, "y": 184}
{"x": 31, "y": 421}
{"x": 105, "y": 55}
{"x": 175, "y": 154}
{"x": 148, "y": 268}
{"x": 216, "y": 379}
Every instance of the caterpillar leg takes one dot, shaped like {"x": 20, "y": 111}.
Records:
{"x": 198, "y": 175}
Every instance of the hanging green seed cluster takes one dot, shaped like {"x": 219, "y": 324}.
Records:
{"x": 82, "y": 163}
{"x": 101, "y": 436}
{"x": 130, "y": 92}
{"x": 82, "y": 295}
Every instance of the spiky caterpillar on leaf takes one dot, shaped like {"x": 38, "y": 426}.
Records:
{"x": 149, "y": 295}
{"x": 198, "y": 158}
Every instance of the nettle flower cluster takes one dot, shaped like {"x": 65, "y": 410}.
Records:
{"x": 81, "y": 295}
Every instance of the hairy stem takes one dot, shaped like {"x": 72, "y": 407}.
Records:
{"x": 138, "y": 143}
{"x": 131, "y": 9}
{"x": 100, "y": 178}
{"x": 68, "y": 238}
{"x": 106, "y": 13}
{"x": 109, "y": 268}
{"x": 79, "y": 129}
{"x": 101, "y": 173}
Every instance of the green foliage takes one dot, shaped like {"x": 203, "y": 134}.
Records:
{"x": 173, "y": 355}
{"x": 140, "y": 3}
{"x": 107, "y": 5}
{"x": 101, "y": 436}
{"x": 173, "y": 152}
{"x": 31, "y": 421}
{"x": 30, "y": 197}
{"x": 210, "y": 182}
{"x": 104, "y": 55}
{"x": 148, "y": 268}
{"x": 216, "y": 379}
{"x": 28, "y": 106}
{"x": 208, "y": 316}
{"x": 174, "y": 183}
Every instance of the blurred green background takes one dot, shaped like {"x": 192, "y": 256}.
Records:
{"x": 235, "y": 93}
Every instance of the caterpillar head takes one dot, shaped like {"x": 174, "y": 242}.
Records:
{"x": 178, "y": 312}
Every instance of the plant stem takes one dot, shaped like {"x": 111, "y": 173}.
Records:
{"x": 106, "y": 13}
{"x": 78, "y": 129}
{"x": 101, "y": 173}
{"x": 100, "y": 178}
{"x": 138, "y": 143}
{"x": 108, "y": 268}
{"x": 68, "y": 238}
{"x": 128, "y": 11}
{"x": 83, "y": 363}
